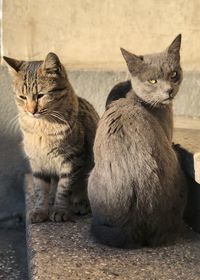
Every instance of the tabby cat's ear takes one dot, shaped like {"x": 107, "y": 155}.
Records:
{"x": 52, "y": 63}
{"x": 14, "y": 63}
{"x": 174, "y": 48}
{"x": 133, "y": 61}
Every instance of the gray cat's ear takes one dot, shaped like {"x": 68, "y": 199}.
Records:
{"x": 175, "y": 46}
{"x": 133, "y": 61}
{"x": 13, "y": 63}
{"x": 52, "y": 63}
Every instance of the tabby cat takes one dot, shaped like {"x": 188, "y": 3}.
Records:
{"x": 137, "y": 189}
{"x": 58, "y": 132}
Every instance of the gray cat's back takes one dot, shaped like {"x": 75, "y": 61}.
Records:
{"x": 124, "y": 121}
{"x": 136, "y": 143}
{"x": 134, "y": 177}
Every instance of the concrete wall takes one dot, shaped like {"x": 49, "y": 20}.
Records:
{"x": 89, "y": 33}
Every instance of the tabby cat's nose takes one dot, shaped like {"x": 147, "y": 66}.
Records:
{"x": 32, "y": 107}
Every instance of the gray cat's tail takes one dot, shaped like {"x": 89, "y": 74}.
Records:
{"x": 118, "y": 91}
{"x": 119, "y": 237}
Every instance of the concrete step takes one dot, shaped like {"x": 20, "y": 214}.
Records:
{"x": 187, "y": 133}
{"x": 67, "y": 251}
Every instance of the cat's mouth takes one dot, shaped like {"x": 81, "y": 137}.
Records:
{"x": 36, "y": 115}
{"x": 167, "y": 100}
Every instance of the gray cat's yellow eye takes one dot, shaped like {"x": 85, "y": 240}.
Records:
{"x": 152, "y": 81}
{"x": 22, "y": 97}
{"x": 173, "y": 74}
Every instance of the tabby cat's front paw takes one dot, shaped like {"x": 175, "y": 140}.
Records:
{"x": 60, "y": 215}
{"x": 38, "y": 215}
{"x": 81, "y": 207}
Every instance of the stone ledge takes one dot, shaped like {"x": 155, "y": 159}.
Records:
{"x": 66, "y": 251}
{"x": 189, "y": 139}
{"x": 189, "y": 155}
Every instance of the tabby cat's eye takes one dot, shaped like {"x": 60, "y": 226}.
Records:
{"x": 22, "y": 97}
{"x": 173, "y": 75}
{"x": 152, "y": 81}
{"x": 40, "y": 95}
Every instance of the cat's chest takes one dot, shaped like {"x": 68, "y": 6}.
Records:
{"x": 41, "y": 137}
{"x": 43, "y": 152}
{"x": 40, "y": 146}
{"x": 38, "y": 141}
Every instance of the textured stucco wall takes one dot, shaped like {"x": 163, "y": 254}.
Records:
{"x": 87, "y": 36}
{"x": 88, "y": 33}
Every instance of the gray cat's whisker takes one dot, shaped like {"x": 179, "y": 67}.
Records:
{"x": 154, "y": 104}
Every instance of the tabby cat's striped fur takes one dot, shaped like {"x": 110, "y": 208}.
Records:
{"x": 58, "y": 129}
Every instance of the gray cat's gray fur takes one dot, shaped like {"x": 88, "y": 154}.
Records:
{"x": 137, "y": 189}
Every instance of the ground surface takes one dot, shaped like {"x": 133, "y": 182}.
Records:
{"x": 13, "y": 260}
{"x": 67, "y": 251}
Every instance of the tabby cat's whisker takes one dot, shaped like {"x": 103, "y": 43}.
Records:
{"x": 58, "y": 113}
{"x": 43, "y": 112}
{"x": 13, "y": 124}
{"x": 58, "y": 117}
{"x": 13, "y": 119}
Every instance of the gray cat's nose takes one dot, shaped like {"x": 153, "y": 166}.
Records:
{"x": 170, "y": 92}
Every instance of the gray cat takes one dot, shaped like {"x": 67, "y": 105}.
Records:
{"x": 137, "y": 189}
